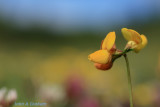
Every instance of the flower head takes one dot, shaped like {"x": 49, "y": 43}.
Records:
{"x": 135, "y": 40}
{"x": 103, "y": 57}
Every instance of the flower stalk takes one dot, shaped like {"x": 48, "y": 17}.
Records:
{"x": 129, "y": 81}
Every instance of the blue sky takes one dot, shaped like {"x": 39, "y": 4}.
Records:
{"x": 75, "y": 13}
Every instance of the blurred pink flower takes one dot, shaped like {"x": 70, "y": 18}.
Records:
{"x": 88, "y": 102}
{"x": 75, "y": 87}
{"x": 156, "y": 96}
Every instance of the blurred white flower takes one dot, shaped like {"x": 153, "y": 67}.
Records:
{"x": 7, "y": 98}
{"x": 2, "y": 93}
{"x": 11, "y": 96}
{"x": 52, "y": 93}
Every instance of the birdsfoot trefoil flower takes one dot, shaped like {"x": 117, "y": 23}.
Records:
{"x": 103, "y": 57}
{"x": 135, "y": 40}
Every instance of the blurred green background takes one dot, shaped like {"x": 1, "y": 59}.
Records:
{"x": 49, "y": 52}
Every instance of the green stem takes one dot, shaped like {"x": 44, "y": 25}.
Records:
{"x": 129, "y": 81}
{"x": 115, "y": 56}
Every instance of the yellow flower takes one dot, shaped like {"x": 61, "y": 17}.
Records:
{"x": 135, "y": 40}
{"x": 104, "y": 55}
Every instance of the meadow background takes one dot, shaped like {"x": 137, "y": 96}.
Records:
{"x": 45, "y": 43}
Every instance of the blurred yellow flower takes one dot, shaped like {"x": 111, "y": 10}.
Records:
{"x": 102, "y": 58}
{"x": 135, "y": 40}
{"x": 143, "y": 95}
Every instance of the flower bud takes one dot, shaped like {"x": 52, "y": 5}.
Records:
{"x": 103, "y": 66}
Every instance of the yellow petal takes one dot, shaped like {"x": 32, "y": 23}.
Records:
{"x": 144, "y": 40}
{"x": 100, "y": 56}
{"x": 131, "y": 35}
{"x": 109, "y": 41}
{"x": 142, "y": 45}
